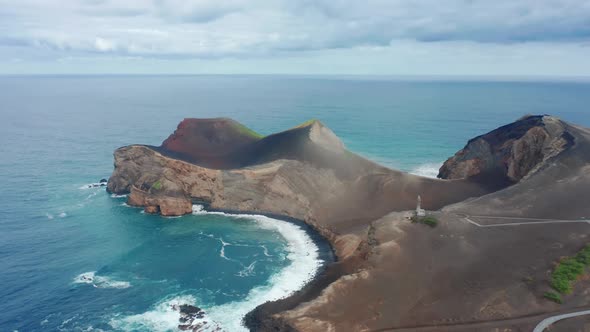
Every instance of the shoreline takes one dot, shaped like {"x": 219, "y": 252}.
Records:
{"x": 325, "y": 247}
{"x": 329, "y": 270}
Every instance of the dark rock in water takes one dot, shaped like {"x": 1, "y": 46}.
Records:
{"x": 103, "y": 181}
{"x": 189, "y": 309}
{"x": 191, "y": 318}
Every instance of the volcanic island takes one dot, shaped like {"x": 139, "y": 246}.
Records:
{"x": 500, "y": 245}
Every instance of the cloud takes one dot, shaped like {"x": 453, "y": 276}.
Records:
{"x": 247, "y": 29}
{"x": 104, "y": 45}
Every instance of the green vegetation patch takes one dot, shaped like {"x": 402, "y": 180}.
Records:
{"x": 553, "y": 297}
{"x": 157, "y": 185}
{"x": 428, "y": 220}
{"x": 246, "y": 131}
{"x": 569, "y": 270}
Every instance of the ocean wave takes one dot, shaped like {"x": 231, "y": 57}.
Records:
{"x": 100, "y": 281}
{"x": 59, "y": 215}
{"x": 304, "y": 259}
{"x": 118, "y": 196}
{"x": 163, "y": 317}
{"x": 301, "y": 252}
{"x": 93, "y": 185}
{"x": 429, "y": 170}
{"x": 265, "y": 251}
{"x": 247, "y": 271}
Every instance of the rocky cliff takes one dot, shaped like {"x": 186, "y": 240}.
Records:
{"x": 510, "y": 152}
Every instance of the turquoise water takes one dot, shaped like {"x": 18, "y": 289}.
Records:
{"x": 76, "y": 259}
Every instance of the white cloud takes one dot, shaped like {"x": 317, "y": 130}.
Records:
{"x": 104, "y": 45}
{"x": 260, "y": 29}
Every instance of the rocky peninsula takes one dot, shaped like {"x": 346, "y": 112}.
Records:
{"x": 484, "y": 266}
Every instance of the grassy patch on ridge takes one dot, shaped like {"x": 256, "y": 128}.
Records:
{"x": 246, "y": 131}
{"x": 569, "y": 270}
{"x": 427, "y": 220}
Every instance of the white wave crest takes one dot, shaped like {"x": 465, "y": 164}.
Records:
{"x": 162, "y": 318}
{"x": 265, "y": 251}
{"x": 429, "y": 170}
{"x": 59, "y": 215}
{"x": 303, "y": 255}
{"x": 100, "y": 281}
{"x": 304, "y": 262}
{"x": 118, "y": 196}
{"x": 94, "y": 185}
{"x": 247, "y": 271}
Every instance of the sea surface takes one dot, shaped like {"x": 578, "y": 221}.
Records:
{"x": 74, "y": 258}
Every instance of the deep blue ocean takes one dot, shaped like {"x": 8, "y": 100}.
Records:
{"x": 74, "y": 258}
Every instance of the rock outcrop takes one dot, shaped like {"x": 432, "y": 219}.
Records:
{"x": 510, "y": 152}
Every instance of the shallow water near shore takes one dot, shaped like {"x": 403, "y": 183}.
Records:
{"x": 74, "y": 258}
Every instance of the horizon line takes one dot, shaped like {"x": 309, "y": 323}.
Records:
{"x": 410, "y": 77}
{"x": 418, "y": 77}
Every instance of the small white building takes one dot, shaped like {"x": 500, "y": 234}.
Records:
{"x": 419, "y": 210}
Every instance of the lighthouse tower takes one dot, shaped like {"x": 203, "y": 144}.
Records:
{"x": 419, "y": 211}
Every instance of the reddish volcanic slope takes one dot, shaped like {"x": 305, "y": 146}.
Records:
{"x": 212, "y": 143}
{"x": 222, "y": 143}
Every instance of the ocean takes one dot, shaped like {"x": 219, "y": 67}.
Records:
{"x": 74, "y": 258}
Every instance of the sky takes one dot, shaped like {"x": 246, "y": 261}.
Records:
{"x": 309, "y": 37}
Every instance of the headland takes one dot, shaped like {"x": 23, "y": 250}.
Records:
{"x": 507, "y": 207}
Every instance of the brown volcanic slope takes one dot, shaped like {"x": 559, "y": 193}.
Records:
{"x": 222, "y": 143}
{"x": 556, "y": 188}
{"x": 391, "y": 273}
{"x": 213, "y": 143}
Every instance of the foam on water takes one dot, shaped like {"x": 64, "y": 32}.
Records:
{"x": 161, "y": 318}
{"x": 100, "y": 281}
{"x": 59, "y": 215}
{"x": 247, "y": 271}
{"x": 265, "y": 251}
{"x": 94, "y": 185}
{"x": 429, "y": 170}
{"x": 304, "y": 260}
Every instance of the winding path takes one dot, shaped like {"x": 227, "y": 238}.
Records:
{"x": 531, "y": 221}
{"x": 551, "y": 320}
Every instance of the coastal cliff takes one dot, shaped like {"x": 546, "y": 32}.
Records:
{"x": 387, "y": 267}
{"x": 510, "y": 152}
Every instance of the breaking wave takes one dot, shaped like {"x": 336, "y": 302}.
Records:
{"x": 429, "y": 170}
{"x": 163, "y": 317}
{"x": 100, "y": 281}
{"x": 305, "y": 261}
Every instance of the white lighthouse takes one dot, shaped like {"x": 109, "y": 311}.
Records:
{"x": 419, "y": 211}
